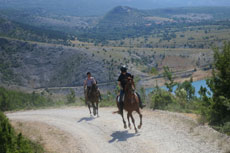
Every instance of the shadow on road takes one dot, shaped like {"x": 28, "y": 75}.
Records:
{"x": 86, "y": 119}
{"x": 121, "y": 136}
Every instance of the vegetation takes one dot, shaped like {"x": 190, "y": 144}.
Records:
{"x": 11, "y": 142}
{"x": 15, "y": 100}
{"x": 26, "y": 32}
{"x": 215, "y": 108}
{"x": 218, "y": 110}
{"x": 168, "y": 75}
{"x": 71, "y": 98}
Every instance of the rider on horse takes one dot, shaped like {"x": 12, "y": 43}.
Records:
{"x": 89, "y": 82}
{"x": 122, "y": 82}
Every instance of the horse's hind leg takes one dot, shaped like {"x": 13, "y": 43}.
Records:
{"x": 133, "y": 122}
{"x": 94, "y": 109}
{"x": 89, "y": 108}
{"x": 128, "y": 115}
{"x": 97, "y": 109}
{"x": 140, "y": 115}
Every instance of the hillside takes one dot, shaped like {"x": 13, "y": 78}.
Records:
{"x": 41, "y": 65}
{"x": 145, "y": 40}
{"x": 46, "y": 65}
{"x": 121, "y": 16}
{"x": 22, "y": 31}
{"x": 43, "y": 19}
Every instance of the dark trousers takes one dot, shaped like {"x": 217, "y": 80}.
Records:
{"x": 121, "y": 96}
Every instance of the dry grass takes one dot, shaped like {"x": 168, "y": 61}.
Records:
{"x": 52, "y": 139}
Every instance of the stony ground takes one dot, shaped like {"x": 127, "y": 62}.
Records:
{"x": 74, "y": 130}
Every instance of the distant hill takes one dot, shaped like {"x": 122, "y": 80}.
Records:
{"x": 22, "y": 31}
{"x": 122, "y": 16}
{"x": 126, "y": 22}
{"x": 100, "y": 7}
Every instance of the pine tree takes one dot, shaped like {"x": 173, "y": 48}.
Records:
{"x": 220, "y": 86}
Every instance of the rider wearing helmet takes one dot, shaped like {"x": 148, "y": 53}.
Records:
{"x": 122, "y": 82}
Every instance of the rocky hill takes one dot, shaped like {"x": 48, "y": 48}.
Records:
{"x": 12, "y": 29}
{"x": 43, "y": 65}
{"x": 39, "y": 65}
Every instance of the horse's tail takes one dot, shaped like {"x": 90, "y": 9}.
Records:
{"x": 116, "y": 112}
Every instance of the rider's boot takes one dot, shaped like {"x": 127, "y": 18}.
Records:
{"x": 100, "y": 96}
{"x": 121, "y": 106}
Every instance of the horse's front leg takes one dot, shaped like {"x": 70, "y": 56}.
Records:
{"x": 128, "y": 116}
{"x": 94, "y": 109}
{"x": 133, "y": 122}
{"x": 140, "y": 115}
{"x": 89, "y": 108}
{"x": 125, "y": 126}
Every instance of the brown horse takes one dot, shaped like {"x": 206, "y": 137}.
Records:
{"x": 131, "y": 103}
{"x": 92, "y": 98}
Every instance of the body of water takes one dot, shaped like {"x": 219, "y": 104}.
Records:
{"x": 196, "y": 84}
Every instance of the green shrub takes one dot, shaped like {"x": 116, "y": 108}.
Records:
{"x": 13, "y": 100}
{"x": 108, "y": 100}
{"x": 161, "y": 99}
{"x": 13, "y": 143}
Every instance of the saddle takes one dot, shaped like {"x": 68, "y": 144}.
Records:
{"x": 119, "y": 97}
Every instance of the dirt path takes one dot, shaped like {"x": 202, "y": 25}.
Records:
{"x": 162, "y": 132}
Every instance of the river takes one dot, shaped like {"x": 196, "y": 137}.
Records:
{"x": 196, "y": 84}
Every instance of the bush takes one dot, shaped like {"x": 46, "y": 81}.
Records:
{"x": 161, "y": 99}
{"x": 12, "y": 100}
{"x": 108, "y": 100}
{"x": 13, "y": 143}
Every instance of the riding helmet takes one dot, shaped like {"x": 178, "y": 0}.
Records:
{"x": 123, "y": 68}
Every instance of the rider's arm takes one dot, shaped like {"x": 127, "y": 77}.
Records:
{"x": 84, "y": 84}
{"x": 94, "y": 81}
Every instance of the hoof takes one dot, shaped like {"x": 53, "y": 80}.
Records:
{"x": 136, "y": 131}
{"x": 125, "y": 126}
{"x": 139, "y": 126}
{"x": 130, "y": 127}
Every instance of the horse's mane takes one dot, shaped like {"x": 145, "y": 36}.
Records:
{"x": 129, "y": 84}
{"x": 93, "y": 93}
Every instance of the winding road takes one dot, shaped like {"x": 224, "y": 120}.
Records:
{"x": 162, "y": 132}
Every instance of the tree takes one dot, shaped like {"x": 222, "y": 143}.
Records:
{"x": 168, "y": 75}
{"x": 220, "y": 86}
{"x": 187, "y": 86}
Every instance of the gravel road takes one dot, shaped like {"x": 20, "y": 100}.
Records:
{"x": 162, "y": 132}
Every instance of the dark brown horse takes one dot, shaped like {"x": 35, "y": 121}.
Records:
{"x": 131, "y": 103}
{"x": 92, "y": 98}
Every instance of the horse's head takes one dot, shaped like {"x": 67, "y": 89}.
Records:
{"x": 129, "y": 87}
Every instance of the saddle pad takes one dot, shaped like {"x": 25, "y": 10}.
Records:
{"x": 118, "y": 98}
